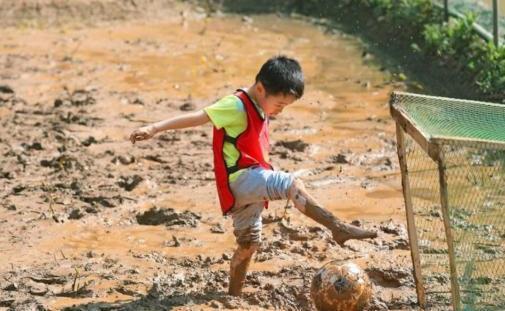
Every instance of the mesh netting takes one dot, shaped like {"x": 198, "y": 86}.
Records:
{"x": 425, "y": 196}
{"x": 476, "y": 193}
{"x": 445, "y": 117}
{"x": 474, "y": 172}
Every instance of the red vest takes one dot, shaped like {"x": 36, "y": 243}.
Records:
{"x": 253, "y": 145}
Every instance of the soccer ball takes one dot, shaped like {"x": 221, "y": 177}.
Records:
{"x": 341, "y": 287}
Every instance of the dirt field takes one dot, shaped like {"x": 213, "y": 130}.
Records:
{"x": 89, "y": 221}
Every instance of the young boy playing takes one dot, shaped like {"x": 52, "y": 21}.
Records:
{"x": 245, "y": 180}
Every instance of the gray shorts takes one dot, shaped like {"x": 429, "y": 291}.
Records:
{"x": 251, "y": 189}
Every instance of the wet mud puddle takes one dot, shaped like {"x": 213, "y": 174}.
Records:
{"x": 90, "y": 221}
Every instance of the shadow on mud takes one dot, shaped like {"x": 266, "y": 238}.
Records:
{"x": 423, "y": 74}
{"x": 153, "y": 302}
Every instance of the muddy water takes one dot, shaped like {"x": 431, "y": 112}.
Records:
{"x": 192, "y": 58}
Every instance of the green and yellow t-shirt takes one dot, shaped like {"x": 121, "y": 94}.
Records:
{"x": 229, "y": 113}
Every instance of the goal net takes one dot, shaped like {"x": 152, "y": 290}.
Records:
{"x": 452, "y": 158}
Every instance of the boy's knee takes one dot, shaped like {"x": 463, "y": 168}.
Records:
{"x": 297, "y": 186}
{"x": 249, "y": 238}
{"x": 297, "y": 194}
{"x": 245, "y": 251}
{"x": 248, "y": 249}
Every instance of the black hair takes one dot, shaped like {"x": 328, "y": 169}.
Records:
{"x": 282, "y": 75}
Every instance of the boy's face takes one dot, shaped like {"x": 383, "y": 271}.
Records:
{"x": 273, "y": 104}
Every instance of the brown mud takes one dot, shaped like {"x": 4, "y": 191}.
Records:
{"x": 90, "y": 222}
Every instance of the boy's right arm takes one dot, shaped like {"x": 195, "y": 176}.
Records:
{"x": 196, "y": 118}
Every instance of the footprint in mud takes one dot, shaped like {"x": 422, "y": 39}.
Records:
{"x": 63, "y": 162}
{"x": 89, "y": 141}
{"x": 390, "y": 277}
{"x": 76, "y": 98}
{"x": 123, "y": 159}
{"x": 217, "y": 229}
{"x": 76, "y": 213}
{"x": 187, "y": 107}
{"x": 339, "y": 159}
{"x": 129, "y": 183}
{"x": 293, "y": 145}
{"x": 169, "y": 217}
{"x": 71, "y": 118}
{"x": 6, "y": 93}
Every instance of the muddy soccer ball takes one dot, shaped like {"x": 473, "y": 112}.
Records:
{"x": 340, "y": 287}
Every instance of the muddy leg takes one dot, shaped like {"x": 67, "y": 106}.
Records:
{"x": 248, "y": 241}
{"x": 310, "y": 207}
{"x": 238, "y": 267}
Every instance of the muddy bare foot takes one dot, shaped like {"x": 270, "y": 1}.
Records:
{"x": 343, "y": 232}
{"x": 238, "y": 268}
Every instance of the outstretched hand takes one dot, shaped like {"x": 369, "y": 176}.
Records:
{"x": 142, "y": 133}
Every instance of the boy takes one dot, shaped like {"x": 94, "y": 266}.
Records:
{"x": 245, "y": 179}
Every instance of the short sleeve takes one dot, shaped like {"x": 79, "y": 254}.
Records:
{"x": 228, "y": 111}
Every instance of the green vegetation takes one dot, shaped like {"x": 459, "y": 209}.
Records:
{"x": 455, "y": 42}
{"x": 416, "y": 24}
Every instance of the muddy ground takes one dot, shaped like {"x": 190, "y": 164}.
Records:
{"x": 90, "y": 222}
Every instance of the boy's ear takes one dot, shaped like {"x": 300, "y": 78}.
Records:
{"x": 260, "y": 89}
